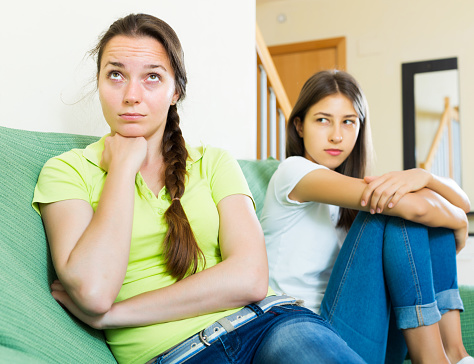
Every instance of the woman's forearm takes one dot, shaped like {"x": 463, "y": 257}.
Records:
{"x": 450, "y": 190}
{"x": 224, "y": 286}
{"x": 431, "y": 209}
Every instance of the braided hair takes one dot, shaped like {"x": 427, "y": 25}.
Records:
{"x": 181, "y": 249}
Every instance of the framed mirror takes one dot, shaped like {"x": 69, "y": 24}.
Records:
{"x": 431, "y": 127}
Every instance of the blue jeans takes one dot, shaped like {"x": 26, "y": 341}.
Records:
{"x": 388, "y": 264}
{"x": 284, "y": 334}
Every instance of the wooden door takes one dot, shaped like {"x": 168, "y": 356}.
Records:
{"x": 296, "y": 62}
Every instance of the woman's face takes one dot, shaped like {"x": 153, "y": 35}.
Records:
{"x": 136, "y": 86}
{"x": 329, "y": 131}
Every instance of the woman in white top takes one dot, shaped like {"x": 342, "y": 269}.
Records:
{"x": 397, "y": 255}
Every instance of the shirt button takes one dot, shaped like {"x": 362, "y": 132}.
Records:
{"x": 163, "y": 197}
{"x": 161, "y": 211}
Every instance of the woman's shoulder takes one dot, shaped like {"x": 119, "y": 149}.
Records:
{"x": 73, "y": 157}
{"x": 297, "y": 165}
{"x": 208, "y": 155}
{"x": 76, "y": 162}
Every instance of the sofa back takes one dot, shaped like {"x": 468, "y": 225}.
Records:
{"x": 258, "y": 174}
{"x": 34, "y": 328}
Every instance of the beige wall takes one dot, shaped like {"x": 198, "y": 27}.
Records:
{"x": 45, "y": 70}
{"x": 381, "y": 35}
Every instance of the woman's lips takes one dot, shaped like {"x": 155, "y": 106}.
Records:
{"x": 131, "y": 116}
{"x": 333, "y": 152}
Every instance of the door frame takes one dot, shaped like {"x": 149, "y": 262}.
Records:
{"x": 339, "y": 43}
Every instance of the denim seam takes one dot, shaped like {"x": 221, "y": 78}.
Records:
{"x": 419, "y": 316}
{"x": 413, "y": 272}
{"x": 344, "y": 276}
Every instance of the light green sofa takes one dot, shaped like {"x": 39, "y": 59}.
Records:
{"x": 33, "y": 327}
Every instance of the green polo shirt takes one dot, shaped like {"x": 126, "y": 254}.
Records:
{"x": 212, "y": 175}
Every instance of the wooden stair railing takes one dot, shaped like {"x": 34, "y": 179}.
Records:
{"x": 273, "y": 100}
{"x": 444, "y": 136}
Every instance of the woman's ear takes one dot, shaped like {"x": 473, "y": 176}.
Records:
{"x": 175, "y": 97}
{"x": 298, "y": 126}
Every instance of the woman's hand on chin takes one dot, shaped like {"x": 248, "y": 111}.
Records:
{"x": 123, "y": 152}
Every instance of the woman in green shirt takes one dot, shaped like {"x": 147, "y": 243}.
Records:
{"x": 158, "y": 243}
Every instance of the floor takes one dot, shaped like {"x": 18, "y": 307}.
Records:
{"x": 465, "y": 260}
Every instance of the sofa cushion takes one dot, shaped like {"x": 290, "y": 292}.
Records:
{"x": 467, "y": 317}
{"x": 33, "y": 325}
{"x": 258, "y": 174}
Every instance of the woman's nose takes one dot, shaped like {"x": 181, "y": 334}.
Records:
{"x": 336, "y": 136}
{"x": 133, "y": 94}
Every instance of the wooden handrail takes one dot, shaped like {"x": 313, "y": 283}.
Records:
{"x": 266, "y": 60}
{"x": 446, "y": 117}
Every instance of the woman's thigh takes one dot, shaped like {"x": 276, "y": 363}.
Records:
{"x": 285, "y": 334}
{"x": 303, "y": 337}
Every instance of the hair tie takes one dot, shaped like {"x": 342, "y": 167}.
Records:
{"x": 175, "y": 199}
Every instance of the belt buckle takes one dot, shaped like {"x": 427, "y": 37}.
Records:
{"x": 203, "y": 338}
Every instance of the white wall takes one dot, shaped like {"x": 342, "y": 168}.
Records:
{"x": 381, "y": 35}
{"x": 45, "y": 71}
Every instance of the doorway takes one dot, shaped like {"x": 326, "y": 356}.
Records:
{"x": 296, "y": 62}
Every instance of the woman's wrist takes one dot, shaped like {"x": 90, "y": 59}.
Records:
{"x": 109, "y": 319}
{"x": 119, "y": 316}
{"x": 433, "y": 182}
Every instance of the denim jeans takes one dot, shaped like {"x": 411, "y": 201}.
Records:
{"x": 385, "y": 265}
{"x": 284, "y": 334}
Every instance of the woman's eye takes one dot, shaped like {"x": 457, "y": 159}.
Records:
{"x": 349, "y": 122}
{"x": 114, "y": 75}
{"x": 322, "y": 120}
{"x": 154, "y": 77}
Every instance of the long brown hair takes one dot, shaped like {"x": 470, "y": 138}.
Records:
{"x": 182, "y": 253}
{"x": 317, "y": 87}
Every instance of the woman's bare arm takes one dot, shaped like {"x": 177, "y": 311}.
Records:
{"x": 424, "y": 206}
{"x": 386, "y": 190}
{"x": 90, "y": 250}
{"x": 241, "y": 278}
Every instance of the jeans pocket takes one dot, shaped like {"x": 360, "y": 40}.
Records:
{"x": 302, "y": 313}
{"x": 294, "y": 309}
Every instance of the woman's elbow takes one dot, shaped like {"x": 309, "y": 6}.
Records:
{"x": 258, "y": 292}
{"x": 257, "y": 285}
{"x": 94, "y": 304}
{"x": 91, "y": 297}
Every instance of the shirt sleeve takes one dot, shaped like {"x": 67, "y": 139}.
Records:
{"x": 287, "y": 176}
{"x": 224, "y": 175}
{"x": 61, "y": 179}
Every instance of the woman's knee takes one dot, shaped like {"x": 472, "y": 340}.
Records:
{"x": 303, "y": 338}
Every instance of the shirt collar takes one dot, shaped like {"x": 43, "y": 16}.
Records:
{"x": 93, "y": 153}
